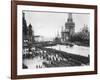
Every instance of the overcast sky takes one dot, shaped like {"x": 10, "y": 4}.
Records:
{"x": 47, "y": 24}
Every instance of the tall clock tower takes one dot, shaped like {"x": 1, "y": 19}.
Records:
{"x": 70, "y": 25}
{"x": 69, "y": 28}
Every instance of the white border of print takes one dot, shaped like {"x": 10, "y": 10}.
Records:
{"x": 21, "y": 71}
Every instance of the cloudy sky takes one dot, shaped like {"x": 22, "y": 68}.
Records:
{"x": 47, "y": 24}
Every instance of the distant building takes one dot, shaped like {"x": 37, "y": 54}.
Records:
{"x": 24, "y": 24}
{"x": 25, "y": 31}
{"x": 30, "y": 37}
{"x": 64, "y": 35}
{"x": 69, "y": 29}
{"x": 28, "y": 33}
{"x": 57, "y": 38}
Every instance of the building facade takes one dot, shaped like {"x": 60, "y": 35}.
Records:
{"x": 28, "y": 34}
{"x": 69, "y": 28}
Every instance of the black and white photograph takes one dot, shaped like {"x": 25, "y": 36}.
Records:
{"x": 55, "y": 39}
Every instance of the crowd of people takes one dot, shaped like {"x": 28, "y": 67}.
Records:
{"x": 50, "y": 59}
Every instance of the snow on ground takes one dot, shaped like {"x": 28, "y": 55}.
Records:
{"x": 78, "y": 50}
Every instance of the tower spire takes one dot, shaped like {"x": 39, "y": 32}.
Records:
{"x": 57, "y": 33}
{"x": 23, "y": 15}
{"x": 70, "y": 17}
